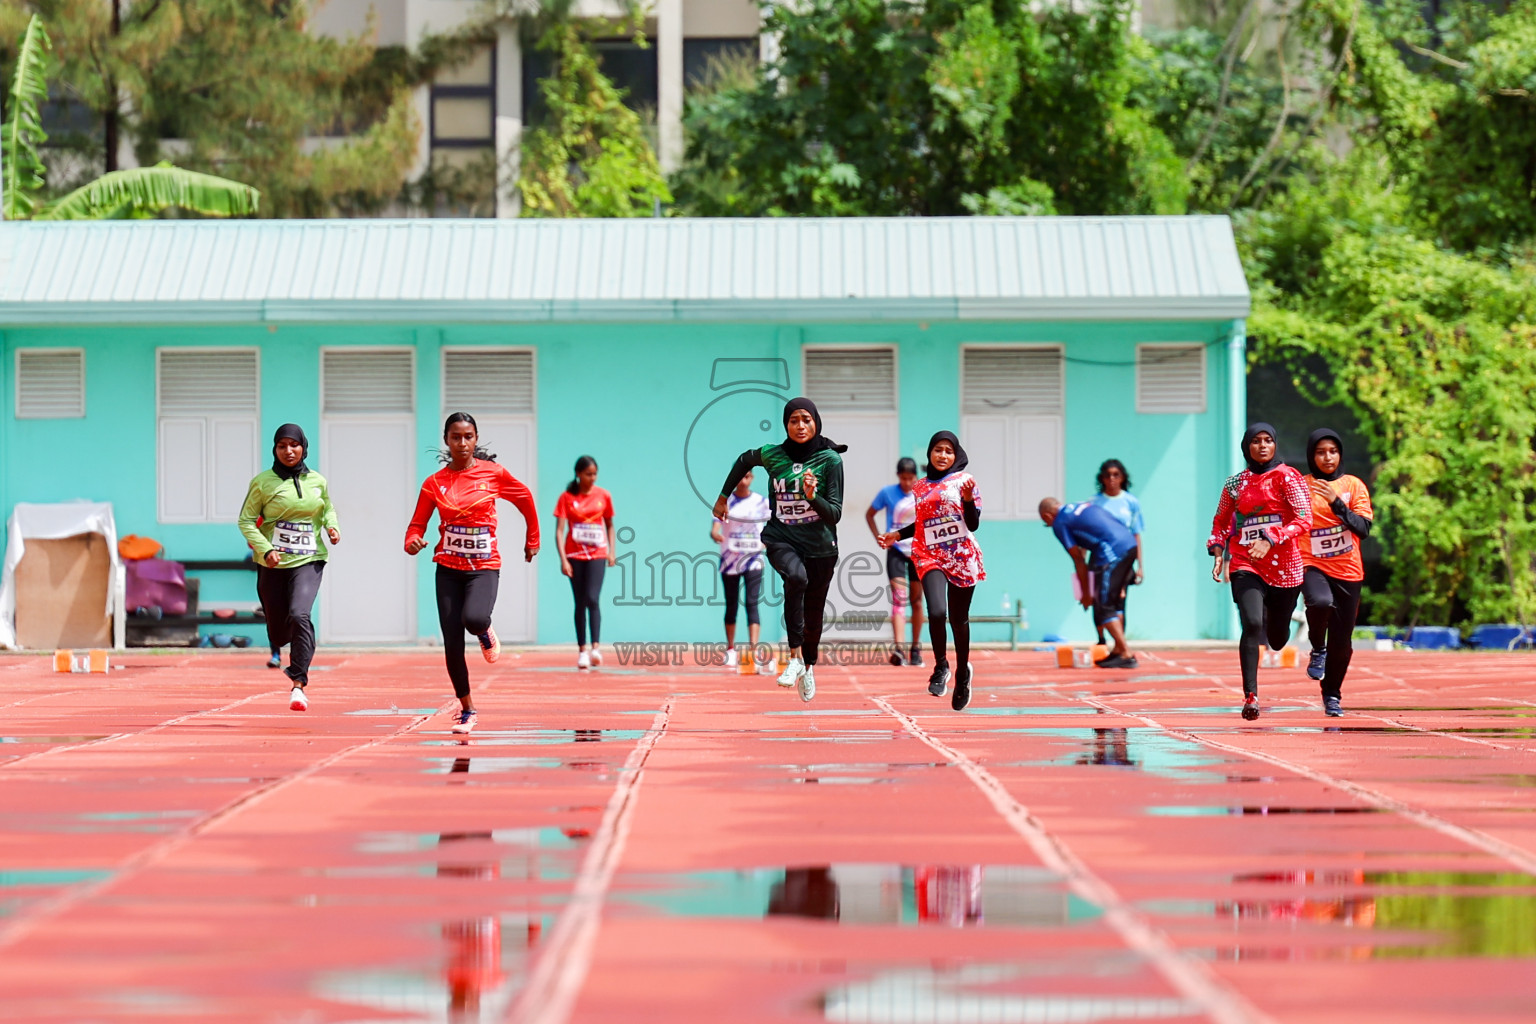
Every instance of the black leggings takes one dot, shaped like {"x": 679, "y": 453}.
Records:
{"x": 754, "y": 581}
{"x": 587, "y": 588}
{"x": 287, "y": 598}
{"x": 465, "y": 601}
{"x": 1265, "y": 614}
{"x": 948, "y": 601}
{"x": 806, "y": 582}
{"x": 1332, "y": 606}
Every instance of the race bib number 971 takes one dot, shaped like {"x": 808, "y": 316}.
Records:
{"x": 469, "y": 541}
{"x": 294, "y": 538}
{"x": 1331, "y": 542}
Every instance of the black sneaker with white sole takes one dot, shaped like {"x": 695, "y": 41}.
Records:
{"x": 962, "y": 695}
{"x": 1118, "y": 661}
{"x": 938, "y": 682}
{"x": 915, "y": 657}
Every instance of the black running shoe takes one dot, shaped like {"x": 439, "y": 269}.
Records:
{"x": 962, "y": 695}
{"x": 896, "y": 658}
{"x": 1250, "y": 707}
{"x": 938, "y": 682}
{"x": 915, "y": 657}
{"x": 1332, "y": 707}
{"x": 1118, "y": 661}
{"x": 1317, "y": 664}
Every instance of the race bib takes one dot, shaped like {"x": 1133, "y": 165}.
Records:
{"x": 592, "y": 535}
{"x": 1335, "y": 540}
{"x": 792, "y": 509}
{"x": 294, "y": 538}
{"x": 744, "y": 543}
{"x": 1253, "y": 529}
{"x": 943, "y": 531}
{"x": 469, "y": 541}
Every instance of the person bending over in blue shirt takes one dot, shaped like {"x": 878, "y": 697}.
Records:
{"x": 1099, "y": 545}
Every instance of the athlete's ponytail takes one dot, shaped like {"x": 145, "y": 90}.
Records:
{"x": 463, "y": 417}
{"x": 582, "y": 465}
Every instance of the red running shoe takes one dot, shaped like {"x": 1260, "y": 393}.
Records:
{"x": 490, "y": 646}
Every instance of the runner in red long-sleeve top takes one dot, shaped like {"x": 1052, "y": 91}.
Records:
{"x": 464, "y": 493}
{"x": 1262, "y": 512}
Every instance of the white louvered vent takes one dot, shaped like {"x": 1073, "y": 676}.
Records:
{"x": 851, "y": 379}
{"x": 1011, "y": 381}
{"x": 203, "y": 383}
{"x": 1170, "y": 378}
{"x": 50, "y": 384}
{"x": 368, "y": 381}
{"x": 486, "y": 382}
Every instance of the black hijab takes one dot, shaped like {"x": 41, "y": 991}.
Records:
{"x": 961, "y": 460}
{"x": 1313, "y": 440}
{"x": 296, "y": 432}
{"x": 1254, "y": 429}
{"x": 802, "y": 450}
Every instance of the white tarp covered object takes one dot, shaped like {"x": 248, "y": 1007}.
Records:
{"x": 55, "y": 522}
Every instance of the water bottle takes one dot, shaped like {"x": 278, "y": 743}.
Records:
{"x": 1007, "y": 603}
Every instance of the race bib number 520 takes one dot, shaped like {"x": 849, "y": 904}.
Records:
{"x": 469, "y": 541}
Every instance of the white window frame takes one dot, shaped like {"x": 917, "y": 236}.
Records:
{"x": 209, "y": 422}
{"x": 1008, "y": 507}
{"x": 16, "y": 395}
{"x": 442, "y": 374}
{"x": 859, "y": 346}
{"x": 350, "y": 349}
{"x": 1205, "y": 398}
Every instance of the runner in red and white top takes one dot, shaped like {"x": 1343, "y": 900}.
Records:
{"x": 464, "y": 493}
{"x": 948, "y": 559}
{"x": 1261, "y": 513}
{"x": 584, "y": 533}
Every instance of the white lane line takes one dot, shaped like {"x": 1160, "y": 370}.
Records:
{"x": 1521, "y": 858}
{"x": 1192, "y": 979}
{"x": 557, "y": 979}
{"x": 150, "y": 855}
{"x": 142, "y": 732}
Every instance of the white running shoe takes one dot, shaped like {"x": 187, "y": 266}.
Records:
{"x": 732, "y": 659}
{"x": 583, "y": 660}
{"x": 808, "y": 685}
{"x": 465, "y": 723}
{"x": 597, "y": 657}
{"x": 792, "y": 673}
{"x": 297, "y": 701}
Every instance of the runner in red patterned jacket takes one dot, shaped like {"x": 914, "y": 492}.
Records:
{"x": 1262, "y": 512}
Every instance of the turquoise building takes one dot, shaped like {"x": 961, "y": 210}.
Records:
{"x": 147, "y": 363}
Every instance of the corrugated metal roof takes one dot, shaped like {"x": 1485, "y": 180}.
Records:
{"x": 457, "y": 271}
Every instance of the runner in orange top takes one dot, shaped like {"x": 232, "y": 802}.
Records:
{"x": 1341, "y": 519}
{"x": 464, "y": 493}
{"x": 584, "y": 534}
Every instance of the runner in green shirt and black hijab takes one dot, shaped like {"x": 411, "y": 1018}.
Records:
{"x": 805, "y": 484}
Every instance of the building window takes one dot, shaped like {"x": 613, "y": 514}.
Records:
{"x": 366, "y": 381}
{"x": 630, "y": 67}
{"x": 851, "y": 379}
{"x": 207, "y": 402}
{"x": 1012, "y": 408}
{"x": 463, "y": 131}
{"x": 1170, "y": 378}
{"x": 50, "y": 383}
{"x": 489, "y": 381}
{"x": 705, "y": 59}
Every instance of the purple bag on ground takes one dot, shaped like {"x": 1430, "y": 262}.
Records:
{"x": 156, "y": 581}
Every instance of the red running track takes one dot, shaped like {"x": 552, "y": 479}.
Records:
{"x": 681, "y": 844}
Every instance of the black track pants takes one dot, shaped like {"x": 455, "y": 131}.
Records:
{"x": 753, "y": 578}
{"x": 948, "y": 602}
{"x": 1265, "y": 614}
{"x": 806, "y": 582}
{"x": 465, "y": 601}
{"x": 587, "y": 589}
{"x": 1332, "y": 607}
{"x": 287, "y": 600}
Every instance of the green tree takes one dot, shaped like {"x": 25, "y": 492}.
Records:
{"x": 137, "y": 192}
{"x": 590, "y": 156}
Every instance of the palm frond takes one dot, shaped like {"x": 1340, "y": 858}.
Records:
{"x": 23, "y": 133}
{"x": 144, "y": 190}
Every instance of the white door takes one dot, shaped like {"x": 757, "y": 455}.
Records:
{"x": 368, "y": 455}
{"x": 497, "y": 387}
{"x": 854, "y": 389}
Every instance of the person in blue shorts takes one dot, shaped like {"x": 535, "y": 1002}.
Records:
{"x": 1115, "y": 497}
{"x": 1101, "y": 546}
{"x": 900, "y": 507}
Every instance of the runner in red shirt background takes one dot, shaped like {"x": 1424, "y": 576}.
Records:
{"x": 1262, "y": 512}
{"x": 584, "y": 535}
{"x": 464, "y": 493}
